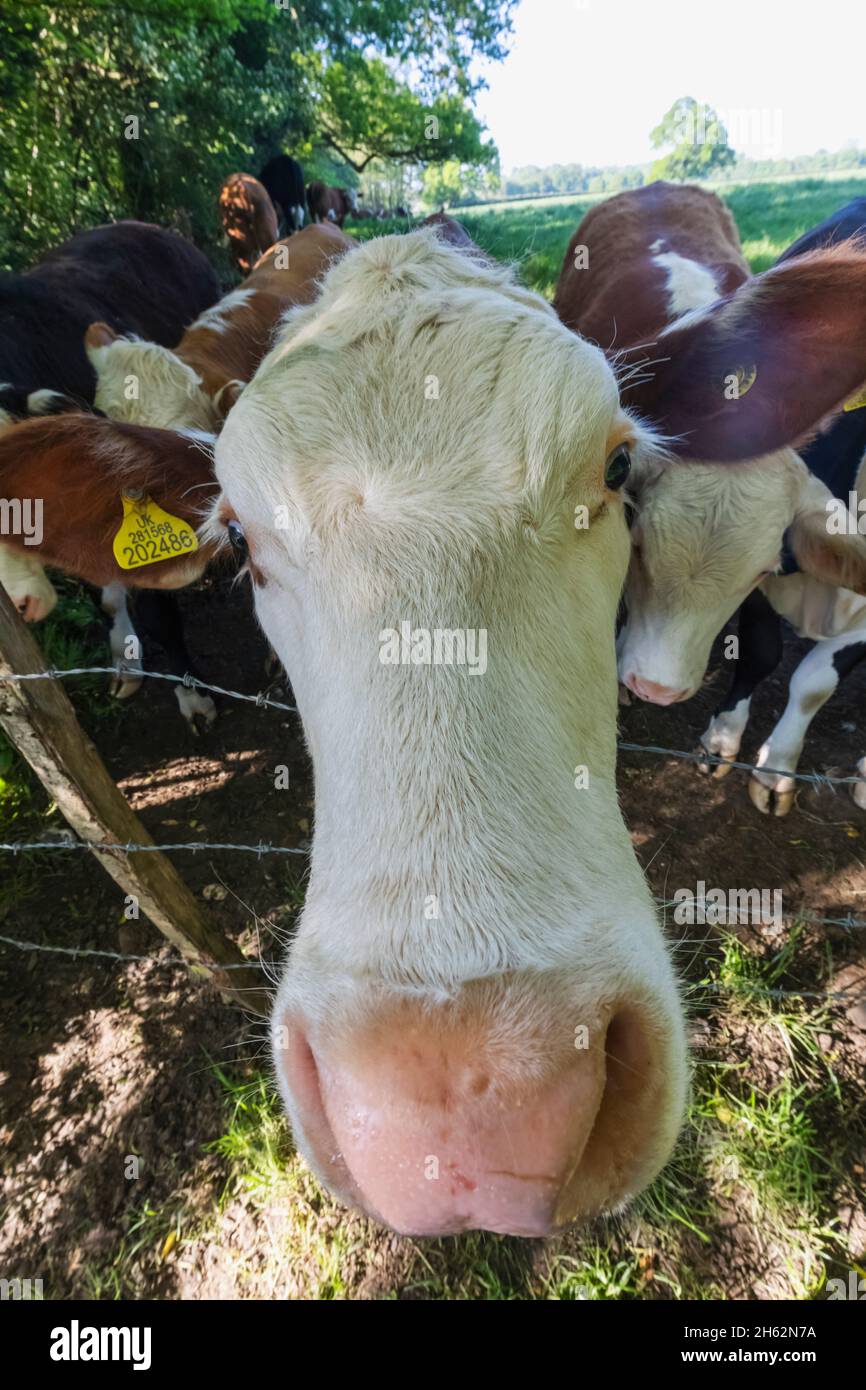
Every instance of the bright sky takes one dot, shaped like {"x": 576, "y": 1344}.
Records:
{"x": 586, "y": 80}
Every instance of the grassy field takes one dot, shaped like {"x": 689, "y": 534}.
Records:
{"x": 769, "y": 215}
{"x": 770, "y": 1143}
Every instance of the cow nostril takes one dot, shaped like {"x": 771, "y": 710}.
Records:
{"x": 632, "y": 1098}
{"x": 626, "y": 1051}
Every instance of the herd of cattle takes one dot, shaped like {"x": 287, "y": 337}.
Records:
{"x": 399, "y": 432}
{"x": 255, "y": 212}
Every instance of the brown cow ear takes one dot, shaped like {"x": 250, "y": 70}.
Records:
{"x": 99, "y": 335}
{"x": 761, "y": 368}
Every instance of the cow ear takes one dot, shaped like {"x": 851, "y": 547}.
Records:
{"x": 761, "y": 368}
{"x": 99, "y": 335}
{"x": 227, "y": 396}
{"x": 835, "y": 558}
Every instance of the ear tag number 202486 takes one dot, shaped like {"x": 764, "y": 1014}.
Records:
{"x": 149, "y": 534}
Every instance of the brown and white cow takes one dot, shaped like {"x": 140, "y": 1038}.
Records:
{"x": 78, "y": 469}
{"x": 80, "y": 466}
{"x": 732, "y": 371}
{"x": 478, "y": 1024}
{"x": 248, "y": 218}
{"x": 194, "y": 385}
{"x": 142, "y": 383}
{"x": 328, "y": 204}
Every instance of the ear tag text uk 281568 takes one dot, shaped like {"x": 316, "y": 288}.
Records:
{"x": 149, "y": 534}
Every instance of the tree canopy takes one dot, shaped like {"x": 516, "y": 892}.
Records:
{"x": 140, "y": 109}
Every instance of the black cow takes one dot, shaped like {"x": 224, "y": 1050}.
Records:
{"x": 135, "y": 277}
{"x": 283, "y": 177}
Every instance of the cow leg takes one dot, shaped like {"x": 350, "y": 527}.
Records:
{"x": 760, "y": 651}
{"x": 123, "y": 641}
{"x": 159, "y": 617}
{"x": 812, "y": 684}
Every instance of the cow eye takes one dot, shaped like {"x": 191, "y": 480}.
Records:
{"x": 238, "y": 539}
{"x": 617, "y": 468}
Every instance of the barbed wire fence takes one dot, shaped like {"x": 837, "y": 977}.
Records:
{"x": 66, "y": 841}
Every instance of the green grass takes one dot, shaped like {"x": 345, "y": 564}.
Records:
{"x": 751, "y": 1151}
{"x": 770, "y": 217}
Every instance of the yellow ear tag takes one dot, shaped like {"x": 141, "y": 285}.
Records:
{"x": 149, "y": 534}
{"x": 856, "y": 402}
{"x": 746, "y": 378}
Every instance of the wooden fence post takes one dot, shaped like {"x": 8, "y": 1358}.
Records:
{"x": 40, "y": 721}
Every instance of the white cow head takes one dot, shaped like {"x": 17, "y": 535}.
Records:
{"x": 146, "y": 384}
{"x": 477, "y": 1025}
{"x": 703, "y": 537}
{"x": 708, "y": 531}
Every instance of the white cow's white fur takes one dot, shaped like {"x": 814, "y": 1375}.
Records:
{"x": 414, "y": 447}
{"x": 146, "y": 384}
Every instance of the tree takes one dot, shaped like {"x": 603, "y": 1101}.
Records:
{"x": 700, "y": 142}
{"x": 364, "y": 113}
{"x": 217, "y": 85}
{"x": 446, "y": 184}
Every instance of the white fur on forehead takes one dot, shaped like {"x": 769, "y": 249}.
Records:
{"x": 702, "y": 526}
{"x": 423, "y": 383}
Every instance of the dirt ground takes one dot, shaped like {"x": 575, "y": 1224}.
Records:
{"x": 104, "y": 1059}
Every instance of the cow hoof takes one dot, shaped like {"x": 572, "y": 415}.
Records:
{"x": 125, "y": 684}
{"x": 774, "y": 800}
{"x": 715, "y": 770}
{"x": 198, "y": 710}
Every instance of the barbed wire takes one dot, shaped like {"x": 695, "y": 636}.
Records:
{"x": 814, "y": 919}
{"x": 174, "y": 960}
{"x": 187, "y": 681}
{"x": 67, "y": 841}
{"x": 820, "y": 779}
{"x": 131, "y": 847}
{"x": 262, "y": 701}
